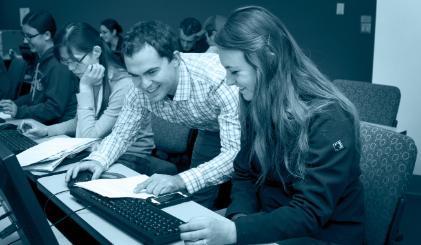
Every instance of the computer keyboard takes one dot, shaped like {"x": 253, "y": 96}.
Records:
{"x": 15, "y": 141}
{"x": 141, "y": 219}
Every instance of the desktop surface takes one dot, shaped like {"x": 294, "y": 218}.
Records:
{"x": 100, "y": 228}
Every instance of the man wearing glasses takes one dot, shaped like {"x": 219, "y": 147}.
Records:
{"x": 52, "y": 97}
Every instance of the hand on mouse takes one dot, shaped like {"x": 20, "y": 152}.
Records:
{"x": 94, "y": 166}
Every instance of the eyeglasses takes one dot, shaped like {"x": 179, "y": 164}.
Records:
{"x": 29, "y": 36}
{"x": 73, "y": 61}
{"x": 81, "y": 59}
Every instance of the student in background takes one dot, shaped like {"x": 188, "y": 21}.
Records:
{"x": 296, "y": 177}
{"x": 103, "y": 85}
{"x": 52, "y": 96}
{"x": 110, "y": 31}
{"x": 212, "y": 25}
{"x": 188, "y": 89}
{"x": 191, "y": 36}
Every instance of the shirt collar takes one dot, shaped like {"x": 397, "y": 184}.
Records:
{"x": 184, "y": 81}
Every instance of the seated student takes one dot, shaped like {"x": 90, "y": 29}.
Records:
{"x": 110, "y": 31}
{"x": 96, "y": 116}
{"x": 52, "y": 97}
{"x": 212, "y": 25}
{"x": 191, "y": 36}
{"x": 188, "y": 89}
{"x": 297, "y": 173}
{"x": 103, "y": 84}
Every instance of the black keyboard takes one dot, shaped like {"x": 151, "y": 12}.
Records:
{"x": 16, "y": 141}
{"x": 141, "y": 219}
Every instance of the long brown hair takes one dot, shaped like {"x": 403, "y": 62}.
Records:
{"x": 289, "y": 91}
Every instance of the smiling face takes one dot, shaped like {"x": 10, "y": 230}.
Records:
{"x": 155, "y": 75}
{"x": 106, "y": 34}
{"x": 36, "y": 40}
{"x": 239, "y": 72}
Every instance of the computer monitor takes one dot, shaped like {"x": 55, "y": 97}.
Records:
{"x": 19, "y": 198}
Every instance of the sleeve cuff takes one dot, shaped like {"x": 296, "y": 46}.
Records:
{"x": 97, "y": 157}
{"x": 193, "y": 179}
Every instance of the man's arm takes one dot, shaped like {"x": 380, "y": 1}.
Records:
{"x": 133, "y": 122}
{"x": 220, "y": 168}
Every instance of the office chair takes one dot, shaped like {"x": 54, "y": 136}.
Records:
{"x": 375, "y": 103}
{"x": 2, "y": 66}
{"x": 174, "y": 142}
{"x": 15, "y": 75}
{"x": 387, "y": 163}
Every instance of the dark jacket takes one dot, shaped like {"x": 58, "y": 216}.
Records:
{"x": 54, "y": 100}
{"x": 327, "y": 205}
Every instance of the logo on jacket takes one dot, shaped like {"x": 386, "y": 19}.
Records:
{"x": 337, "y": 146}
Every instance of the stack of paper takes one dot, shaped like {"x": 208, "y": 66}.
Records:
{"x": 4, "y": 115}
{"x": 49, "y": 154}
{"x": 115, "y": 188}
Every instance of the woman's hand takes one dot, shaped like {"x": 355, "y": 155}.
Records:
{"x": 206, "y": 230}
{"x": 92, "y": 76}
{"x": 34, "y": 128}
{"x": 8, "y": 107}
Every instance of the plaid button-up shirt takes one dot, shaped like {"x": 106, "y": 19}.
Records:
{"x": 202, "y": 100}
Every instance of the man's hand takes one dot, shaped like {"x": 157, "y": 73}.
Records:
{"x": 95, "y": 167}
{"x": 8, "y": 107}
{"x": 207, "y": 230}
{"x": 159, "y": 184}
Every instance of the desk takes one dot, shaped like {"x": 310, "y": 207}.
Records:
{"x": 103, "y": 231}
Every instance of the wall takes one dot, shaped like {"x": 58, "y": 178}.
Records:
{"x": 397, "y": 55}
{"x": 333, "y": 42}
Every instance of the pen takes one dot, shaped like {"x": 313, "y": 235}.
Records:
{"x": 20, "y": 128}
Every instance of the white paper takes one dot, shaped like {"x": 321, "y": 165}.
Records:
{"x": 53, "y": 149}
{"x": 46, "y": 166}
{"x": 4, "y": 115}
{"x": 115, "y": 188}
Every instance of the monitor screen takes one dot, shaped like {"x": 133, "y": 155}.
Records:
{"x": 19, "y": 199}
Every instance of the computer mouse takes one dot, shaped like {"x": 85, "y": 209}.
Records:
{"x": 8, "y": 126}
{"x": 86, "y": 175}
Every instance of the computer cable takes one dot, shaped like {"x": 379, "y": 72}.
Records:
{"x": 68, "y": 215}
{"x": 13, "y": 241}
{"x": 49, "y": 198}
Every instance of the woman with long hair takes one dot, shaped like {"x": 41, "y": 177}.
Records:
{"x": 111, "y": 32}
{"x": 296, "y": 177}
{"x": 102, "y": 87}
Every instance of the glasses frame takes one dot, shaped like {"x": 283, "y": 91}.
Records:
{"x": 73, "y": 61}
{"x": 28, "y": 36}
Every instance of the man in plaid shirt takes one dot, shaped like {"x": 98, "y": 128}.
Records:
{"x": 187, "y": 89}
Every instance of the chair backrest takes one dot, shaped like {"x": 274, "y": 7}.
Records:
{"x": 16, "y": 73}
{"x": 170, "y": 137}
{"x": 387, "y": 163}
{"x": 2, "y": 66}
{"x": 376, "y": 103}
{"x": 174, "y": 142}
